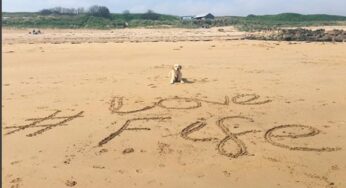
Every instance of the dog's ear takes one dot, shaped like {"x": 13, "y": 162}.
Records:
{"x": 180, "y": 67}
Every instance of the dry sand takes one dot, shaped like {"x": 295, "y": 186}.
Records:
{"x": 120, "y": 35}
{"x": 105, "y": 115}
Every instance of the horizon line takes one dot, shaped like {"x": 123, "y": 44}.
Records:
{"x": 186, "y": 15}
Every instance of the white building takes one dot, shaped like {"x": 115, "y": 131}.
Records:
{"x": 186, "y": 17}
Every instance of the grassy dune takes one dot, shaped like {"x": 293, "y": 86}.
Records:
{"x": 249, "y": 23}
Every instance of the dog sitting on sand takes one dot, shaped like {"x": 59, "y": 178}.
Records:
{"x": 176, "y": 75}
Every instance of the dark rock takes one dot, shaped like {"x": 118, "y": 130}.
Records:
{"x": 301, "y": 35}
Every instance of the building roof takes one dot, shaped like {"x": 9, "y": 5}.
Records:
{"x": 203, "y": 15}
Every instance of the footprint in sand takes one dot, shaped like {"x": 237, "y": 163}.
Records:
{"x": 164, "y": 148}
{"x": 128, "y": 150}
{"x": 102, "y": 151}
{"x": 335, "y": 167}
{"x": 227, "y": 173}
{"x": 16, "y": 182}
{"x": 70, "y": 183}
{"x": 204, "y": 80}
{"x": 68, "y": 161}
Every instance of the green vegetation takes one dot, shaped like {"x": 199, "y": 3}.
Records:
{"x": 99, "y": 11}
{"x": 265, "y": 22}
{"x": 86, "y": 20}
{"x": 99, "y": 18}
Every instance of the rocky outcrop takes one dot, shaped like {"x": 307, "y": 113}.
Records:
{"x": 300, "y": 35}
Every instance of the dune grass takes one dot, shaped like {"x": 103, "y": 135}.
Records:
{"x": 249, "y": 23}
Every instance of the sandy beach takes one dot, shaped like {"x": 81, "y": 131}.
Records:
{"x": 59, "y": 36}
{"x": 88, "y": 108}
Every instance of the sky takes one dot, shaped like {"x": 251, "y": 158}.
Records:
{"x": 189, "y": 7}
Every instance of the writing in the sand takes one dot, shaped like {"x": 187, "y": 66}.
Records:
{"x": 40, "y": 123}
{"x": 273, "y": 136}
{"x": 227, "y": 125}
{"x": 116, "y": 103}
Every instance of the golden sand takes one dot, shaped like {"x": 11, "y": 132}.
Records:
{"x": 95, "y": 114}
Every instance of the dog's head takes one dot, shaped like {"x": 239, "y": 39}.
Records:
{"x": 177, "y": 67}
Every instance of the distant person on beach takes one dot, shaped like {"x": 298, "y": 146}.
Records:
{"x": 34, "y": 32}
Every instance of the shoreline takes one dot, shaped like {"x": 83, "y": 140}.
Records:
{"x": 138, "y": 35}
